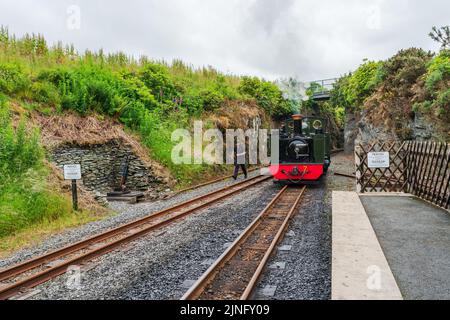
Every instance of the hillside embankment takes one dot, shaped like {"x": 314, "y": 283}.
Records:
{"x": 58, "y": 106}
{"x": 406, "y": 97}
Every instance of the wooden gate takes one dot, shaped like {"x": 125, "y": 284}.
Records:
{"x": 419, "y": 168}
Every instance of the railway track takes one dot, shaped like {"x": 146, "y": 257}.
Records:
{"x": 31, "y": 273}
{"x": 212, "y": 182}
{"x": 235, "y": 274}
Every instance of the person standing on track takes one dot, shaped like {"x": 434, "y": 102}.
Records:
{"x": 239, "y": 162}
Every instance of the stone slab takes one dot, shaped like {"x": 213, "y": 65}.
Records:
{"x": 285, "y": 248}
{"x": 267, "y": 291}
{"x": 360, "y": 270}
{"x": 278, "y": 265}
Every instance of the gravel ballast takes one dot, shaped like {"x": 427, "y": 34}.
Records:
{"x": 304, "y": 271}
{"x": 159, "y": 265}
{"x": 300, "y": 267}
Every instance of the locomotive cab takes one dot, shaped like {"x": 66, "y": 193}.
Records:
{"x": 304, "y": 150}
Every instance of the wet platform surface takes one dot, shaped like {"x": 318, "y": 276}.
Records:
{"x": 415, "y": 238}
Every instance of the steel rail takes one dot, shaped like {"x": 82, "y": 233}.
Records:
{"x": 253, "y": 281}
{"x": 47, "y": 274}
{"x": 212, "y": 182}
{"x": 201, "y": 284}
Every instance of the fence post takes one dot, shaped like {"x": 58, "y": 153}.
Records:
{"x": 406, "y": 160}
{"x": 358, "y": 170}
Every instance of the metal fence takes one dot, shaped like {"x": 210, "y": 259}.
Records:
{"x": 322, "y": 88}
{"x": 419, "y": 168}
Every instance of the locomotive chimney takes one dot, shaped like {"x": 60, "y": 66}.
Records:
{"x": 297, "y": 124}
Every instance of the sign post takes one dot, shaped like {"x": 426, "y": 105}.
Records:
{"x": 74, "y": 195}
{"x": 73, "y": 172}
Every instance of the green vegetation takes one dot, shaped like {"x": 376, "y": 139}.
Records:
{"x": 351, "y": 90}
{"x": 362, "y": 83}
{"x": 267, "y": 95}
{"x": 435, "y": 94}
{"x": 25, "y": 197}
{"x": 151, "y": 98}
{"x": 391, "y": 91}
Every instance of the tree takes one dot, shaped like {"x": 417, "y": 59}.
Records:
{"x": 441, "y": 35}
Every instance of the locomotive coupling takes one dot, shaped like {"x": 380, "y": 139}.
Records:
{"x": 295, "y": 172}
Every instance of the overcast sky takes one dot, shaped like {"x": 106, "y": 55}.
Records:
{"x": 308, "y": 39}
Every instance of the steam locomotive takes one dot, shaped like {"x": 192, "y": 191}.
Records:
{"x": 304, "y": 151}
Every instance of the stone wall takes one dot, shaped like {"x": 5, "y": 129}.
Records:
{"x": 101, "y": 166}
{"x": 350, "y": 132}
{"x": 418, "y": 128}
{"x": 422, "y": 128}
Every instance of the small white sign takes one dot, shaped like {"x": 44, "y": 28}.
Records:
{"x": 72, "y": 172}
{"x": 378, "y": 160}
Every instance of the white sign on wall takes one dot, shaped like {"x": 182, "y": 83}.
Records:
{"x": 378, "y": 159}
{"x": 72, "y": 172}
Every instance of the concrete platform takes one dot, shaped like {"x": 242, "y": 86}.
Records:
{"x": 360, "y": 270}
{"x": 415, "y": 237}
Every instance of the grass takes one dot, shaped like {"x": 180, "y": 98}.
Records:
{"x": 31, "y": 201}
{"x": 31, "y": 209}
{"x": 34, "y": 234}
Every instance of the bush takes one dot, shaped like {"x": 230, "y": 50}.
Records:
{"x": 267, "y": 95}
{"x": 12, "y": 78}
{"x": 433, "y": 93}
{"x": 73, "y": 93}
{"x": 157, "y": 79}
{"x": 193, "y": 102}
{"x": 438, "y": 70}
{"x": 362, "y": 83}
{"x": 45, "y": 92}
{"x": 131, "y": 88}
{"x": 212, "y": 99}
{"x": 403, "y": 70}
{"x": 338, "y": 97}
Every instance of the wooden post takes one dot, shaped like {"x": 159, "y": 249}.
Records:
{"x": 405, "y": 168}
{"x": 74, "y": 195}
{"x": 440, "y": 175}
{"x": 358, "y": 170}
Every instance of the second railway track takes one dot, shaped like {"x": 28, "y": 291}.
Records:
{"x": 31, "y": 273}
{"x": 235, "y": 274}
